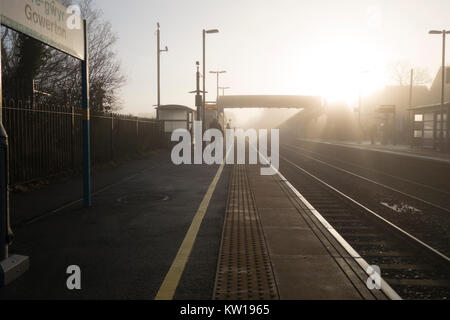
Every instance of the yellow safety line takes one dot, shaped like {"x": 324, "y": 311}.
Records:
{"x": 172, "y": 279}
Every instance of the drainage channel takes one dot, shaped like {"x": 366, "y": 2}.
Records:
{"x": 244, "y": 271}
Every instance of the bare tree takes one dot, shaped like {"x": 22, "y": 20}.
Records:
{"x": 106, "y": 75}
{"x": 58, "y": 74}
{"x": 400, "y": 74}
{"x": 422, "y": 76}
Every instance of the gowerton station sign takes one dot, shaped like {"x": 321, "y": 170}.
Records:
{"x": 45, "y": 20}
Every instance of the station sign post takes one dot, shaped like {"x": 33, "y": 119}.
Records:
{"x": 87, "y": 199}
{"x": 60, "y": 27}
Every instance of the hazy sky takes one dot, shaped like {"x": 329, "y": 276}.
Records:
{"x": 311, "y": 47}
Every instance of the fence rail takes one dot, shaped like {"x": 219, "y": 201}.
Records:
{"x": 46, "y": 141}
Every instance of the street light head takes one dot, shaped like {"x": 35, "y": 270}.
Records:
{"x": 212, "y": 31}
{"x": 435, "y": 32}
{"x": 167, "y": 49}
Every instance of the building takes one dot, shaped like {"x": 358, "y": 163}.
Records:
{"x": 427, "y": 117}
{"x": 402, "y": 98}
{"x": 416, "y": 111}
{"x": 176, "y": 117}
{"x": 436, "y": 87}
{"x": 427, "y": 125}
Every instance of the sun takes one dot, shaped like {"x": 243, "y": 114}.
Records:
{"x": 348, "y": 69}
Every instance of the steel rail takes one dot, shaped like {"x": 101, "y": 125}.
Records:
{"x": 371, "y": 170}
{"x": 390, "y": 224}
{"x": 377, "y": 183}
{"x": 385, "y": 287}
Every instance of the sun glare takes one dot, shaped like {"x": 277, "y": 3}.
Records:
{"x": 348, "y": 69}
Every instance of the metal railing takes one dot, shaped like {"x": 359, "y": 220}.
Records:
{"x": 45, "y": 140}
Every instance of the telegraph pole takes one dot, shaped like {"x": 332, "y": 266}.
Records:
{"x": 158, "y": 54}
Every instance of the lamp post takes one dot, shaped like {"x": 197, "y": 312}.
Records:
{"x": 158, "y": 35}
{"x": 441, "y": 133}
{"x": 223, "y": 90}
{"x": 205, "y": 32}
{"x": 218, "y": 73}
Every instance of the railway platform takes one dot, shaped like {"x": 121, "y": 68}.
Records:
{"x": 126, "y": 243}
{"x": 275, "y": 245}
{"x": 161, "y": 231}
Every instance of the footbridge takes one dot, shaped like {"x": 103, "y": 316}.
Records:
{"x": 268, "y": 102}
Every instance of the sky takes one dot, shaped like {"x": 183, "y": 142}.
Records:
{"x": 334, "y": 49}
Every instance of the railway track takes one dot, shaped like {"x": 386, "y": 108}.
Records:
{"x": 396, "y": 183}
{"x": 428, "y": 219}
{"x": 413, "y": 268}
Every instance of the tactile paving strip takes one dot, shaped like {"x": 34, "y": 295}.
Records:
{"x": 244, "y": 271}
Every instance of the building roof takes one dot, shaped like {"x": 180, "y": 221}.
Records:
{"x": 269, "y": 101}
{"x": 431, "y": 107}
{"x": 175, "y": 107}
{"x": 437, "y": 82}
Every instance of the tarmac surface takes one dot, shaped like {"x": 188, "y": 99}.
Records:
{"x": 127, "y": 241}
